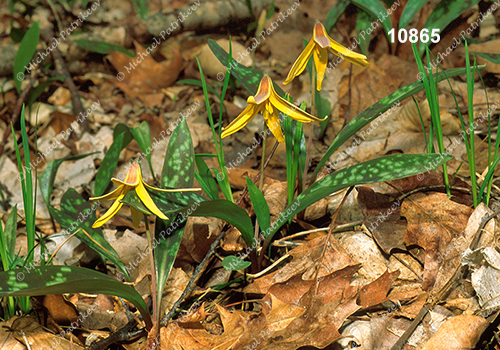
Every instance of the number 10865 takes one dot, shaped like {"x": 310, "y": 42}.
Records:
{"x": 414, "y": 36}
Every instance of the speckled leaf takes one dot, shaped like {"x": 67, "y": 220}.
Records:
{"x": 8, "y": 239}
{"x": 142, "y": 135}
{"x": 168, "y": 237}
{"x": 133, "y": 200}
{"x": 49, "y": 175}
{"x": 376, "y": 110}
{"x": 492, "y": 57}
{"x": 224, "y": 210}
{"x": 77, "y": 213}
{"x": 363, "y": 22}
{"x": 248, "y": 77}
{"x": 333, "y": 16}
{"x": 178, "y": 167}
{"x": 108, "y": 165}
{"x": 374, "y": 8}
{"x": 443, "y": 14}
{"x": 43, "y": 280}
{"x": 386, "y": 168}
{"x": 233, "y": 263}
{"x": 410, "y": 11}
{"x": 127, "y": 137}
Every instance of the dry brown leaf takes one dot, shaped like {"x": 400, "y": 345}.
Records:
{"x": 146, "y": 76}
{"x": 458, "y": 333}
{"x": 433, "y": 220}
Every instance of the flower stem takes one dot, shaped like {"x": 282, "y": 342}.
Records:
{"x": 156, "y": 314}
{"x": 261, "y": 179}
{"x": 311, "y": 128}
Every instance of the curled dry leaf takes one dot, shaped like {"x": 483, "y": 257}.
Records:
{"x": 458, "y": 333}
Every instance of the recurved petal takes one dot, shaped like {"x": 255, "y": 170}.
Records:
{"x": 148, "y": 202}
{"x": 273, "y": 122}
{"x": 291, "y": 110}
{"x": 133, "y": 177}
{"x": 136, "y": 216}
{"x": 264, "y": 90}
{"x": 320, "y": 35}
{"x": 110, "y": 196}
{"x": 320, "y": 62}
{"x": 240, "y": 121}
{"x": 111, "y": 211}
{"x": 348, "y": 55}
{"x": 300, "y": 63}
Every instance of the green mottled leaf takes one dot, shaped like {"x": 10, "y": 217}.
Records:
{"x": 178, "y": 167}
{"x": 102, "y": 47}
{"x": 443, "y": 14}
{"x": 8, "y": 240}
{"x": 386, "y": 168}
{"x": 25, "y": 53}
{"x": 224, "y": 210}
{"x": 375, "y": 8}
{"x": 333, "y": 16}
{"x": 259, "y": 205}
{"x": 248, "y": 77}
{"x": 233, "y": 263}
{"x": 108, "y": 166}
{"x": 133, "y": 200}
{"x": 143, "y": 137}
{"x": 410, "y": 11}
{"x": 77, "y": 213}
{"x": 492, "y": 57}
{"x": 127, "y": 137}
{"x": 376, "y": 110}
{"x": 168, "y": 237}
{"x": 49, "y": 175}
{"x": 44, "y": 280}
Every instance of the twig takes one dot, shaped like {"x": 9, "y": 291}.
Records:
{"x": 189, "y": 287}
{"x": 460, "y": 272}
{"x": 122, "y": 334}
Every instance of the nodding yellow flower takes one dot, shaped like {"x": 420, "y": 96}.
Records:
{"x": 133, "y": 181}
{"x": 268, "y": 102}
{"x": 318, "y": 46}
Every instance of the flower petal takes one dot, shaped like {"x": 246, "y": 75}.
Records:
{"x": 348, "y": 54}
{"x": 300, "y": 63}
{"x": 263, "y": 91}
{"x": 291, "y": 110}
{"x": 320, "y": 62}
{"x": 110, "y": 196}
{"x": 240, "y": 121}
{"x": 320, "y": 35}
{"x": 273, "y": 122}
{"x": 111, "y": 211}
{"x": 136, "y": 216}
{"x": 148, "y": 202}
{"x": 133, "y": 177}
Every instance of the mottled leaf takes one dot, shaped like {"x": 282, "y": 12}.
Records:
{"x": 43, "y": 280}
{"x": 259, "y": 205}
{"x": 386, "y": 168}
{"x": 374, "y": 8}
{"x": 410, "y": 11}
{"x": 333, "y": 16}
{"x": 178, "y": 167}
{"x": 142, "y": 135}
{"x": 25, "y": 53}
{"x": 376, "y": 110}
{"x": 108, "y": 166}
{"x": 492, "y": 57}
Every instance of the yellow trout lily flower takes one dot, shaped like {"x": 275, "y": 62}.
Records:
{"x": 318, "y": 46}
{"x": 268, "y": 102}
{"x": 133, "y": 181}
